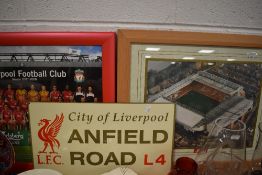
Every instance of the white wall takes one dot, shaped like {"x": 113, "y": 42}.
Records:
{"x": 230, "y": 16}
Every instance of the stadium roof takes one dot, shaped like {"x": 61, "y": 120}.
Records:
{"x": 217, "y": 82}
{"x": 175, "y": 87}
{"x": 162, "y": 100}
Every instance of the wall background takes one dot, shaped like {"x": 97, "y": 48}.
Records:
{"x": 228, "y": 16}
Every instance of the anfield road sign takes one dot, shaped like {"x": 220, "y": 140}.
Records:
{"x": 96, "y": 138}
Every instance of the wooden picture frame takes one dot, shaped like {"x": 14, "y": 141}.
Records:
{"x": 134, "y": 58}
{"x": 128, "y": 37}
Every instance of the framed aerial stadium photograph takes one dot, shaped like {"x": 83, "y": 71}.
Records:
{"x": 207, "y": 76}
{"x": 50, "y": 67}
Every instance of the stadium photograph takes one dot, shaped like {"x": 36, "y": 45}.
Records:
{"x": 204, "y": 91}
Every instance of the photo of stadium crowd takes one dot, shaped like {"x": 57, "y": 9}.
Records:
{"x": 204, "y": 91}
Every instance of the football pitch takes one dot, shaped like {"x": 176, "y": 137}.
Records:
{"x": 196, "y": 101}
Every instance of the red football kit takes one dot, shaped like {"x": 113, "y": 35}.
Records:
{"x": 6, "y": 115}
{"x": 54, "y": 96}
{"x": 12, "y": 103}
{"x": 9, "y": 93}
{"x": 24, "y": 106}
{"x": 19, "y": 116}
{"x": 67, "y": 95}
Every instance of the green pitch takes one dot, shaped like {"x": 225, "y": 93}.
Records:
{"x": 197, "y": 102}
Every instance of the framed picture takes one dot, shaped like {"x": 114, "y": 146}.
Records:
{"x": 51, "y": 67}
{"x": 206, "y": 75}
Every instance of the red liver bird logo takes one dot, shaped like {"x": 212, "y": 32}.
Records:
{"x": 48, "y": 132}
